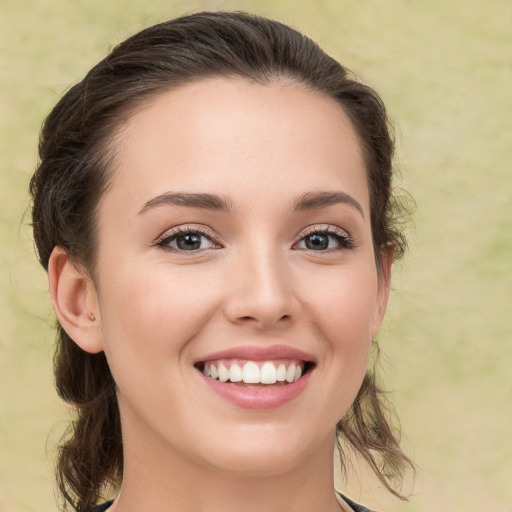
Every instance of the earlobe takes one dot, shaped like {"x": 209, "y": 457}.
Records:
{"x": 75, "y": 301}
{"x": 386, "y": 261}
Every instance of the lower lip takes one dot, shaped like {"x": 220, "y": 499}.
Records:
{"x": 270, "y": 397}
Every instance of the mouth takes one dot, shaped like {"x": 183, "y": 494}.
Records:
{"x": 256, "y": 377}
{"x": 254, "y": 373}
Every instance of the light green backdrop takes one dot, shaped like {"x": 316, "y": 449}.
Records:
{"x": 444, "y": 70}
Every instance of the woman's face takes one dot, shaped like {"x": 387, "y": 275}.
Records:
{"x": 236, "y": 240}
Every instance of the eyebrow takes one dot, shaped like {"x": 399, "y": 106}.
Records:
{"x": 315, "y": 200}
{"x": 205, "y": 201}
{"x": 307, "y": 201}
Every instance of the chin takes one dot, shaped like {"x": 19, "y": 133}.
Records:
{"x": 258, "y": 455}
{"x": 256, "y": 465}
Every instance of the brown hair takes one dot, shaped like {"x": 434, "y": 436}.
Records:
{"x": 76, "y": 145}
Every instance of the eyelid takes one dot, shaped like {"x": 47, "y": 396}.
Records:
{"x": 330, "y": 229}
{"x": 206, "y": 231}
{"x": 216, "y": 239}
{"x": 324, "y": 228}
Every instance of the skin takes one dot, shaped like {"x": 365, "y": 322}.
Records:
{"x": 252, "y": 282}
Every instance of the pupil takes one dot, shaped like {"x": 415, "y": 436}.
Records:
{"x": 317, "y": 242}
{"x": 190, "y": 241}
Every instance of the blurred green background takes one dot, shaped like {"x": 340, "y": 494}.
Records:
{"x": 444, "y": 69}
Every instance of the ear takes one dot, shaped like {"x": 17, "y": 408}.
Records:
{"x": 386, "y": 255}
{"x": 75, "y": 301}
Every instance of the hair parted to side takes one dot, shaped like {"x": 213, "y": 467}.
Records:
{"x": 76, "y": 147}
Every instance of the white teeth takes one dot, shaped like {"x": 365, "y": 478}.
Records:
{"x": 251, "y": 373}
{"x": 268, "y": 373}
{"x": 223, "y": 373}
{"x": 235, "y": 373}
{"x": 281, "y": 373}
{"x": 290, "y": 373}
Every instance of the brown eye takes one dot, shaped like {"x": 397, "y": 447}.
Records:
{"x": 325, "y": 240}
{"x": 187, "y": 241}
{"x": 317, "y": 241}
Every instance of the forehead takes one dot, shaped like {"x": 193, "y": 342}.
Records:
{"x": 229, "y": 136}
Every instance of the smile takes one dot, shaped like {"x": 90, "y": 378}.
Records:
{"x": 256, "y": 377}
{"x": 255, "y": 372}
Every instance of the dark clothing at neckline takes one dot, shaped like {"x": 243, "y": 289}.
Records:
{"x": 355, "y": 506}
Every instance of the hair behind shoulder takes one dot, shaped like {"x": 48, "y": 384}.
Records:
{"x": 76, "y": 147}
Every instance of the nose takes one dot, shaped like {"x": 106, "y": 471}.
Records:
{"x": 261, "y": 290}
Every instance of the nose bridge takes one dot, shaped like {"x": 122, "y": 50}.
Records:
{"x": 262, "y": 287}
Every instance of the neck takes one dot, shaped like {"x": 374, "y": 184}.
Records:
{"x": 159, "y": 480}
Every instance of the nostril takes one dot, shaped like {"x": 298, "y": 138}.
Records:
{"x": 247, "y": 318}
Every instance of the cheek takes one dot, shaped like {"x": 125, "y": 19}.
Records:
{"x": 343, "y": 304}
{"x": 342, "y": 311}
{"x": 153, "y": 309}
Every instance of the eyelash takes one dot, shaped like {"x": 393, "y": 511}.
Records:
{"x": 169, "y": 237}
{"x": 344, "y": 240}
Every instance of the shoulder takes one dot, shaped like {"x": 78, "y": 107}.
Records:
{"x": 355, "y": 506}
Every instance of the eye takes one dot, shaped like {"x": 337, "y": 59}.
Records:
{"x": 326, "y": 239}
{"x": 187, "y": 240}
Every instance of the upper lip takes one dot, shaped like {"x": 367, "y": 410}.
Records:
{"x": 259, "y": 353}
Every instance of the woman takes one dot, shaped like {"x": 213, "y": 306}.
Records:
{"x": 213, "y": 207}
